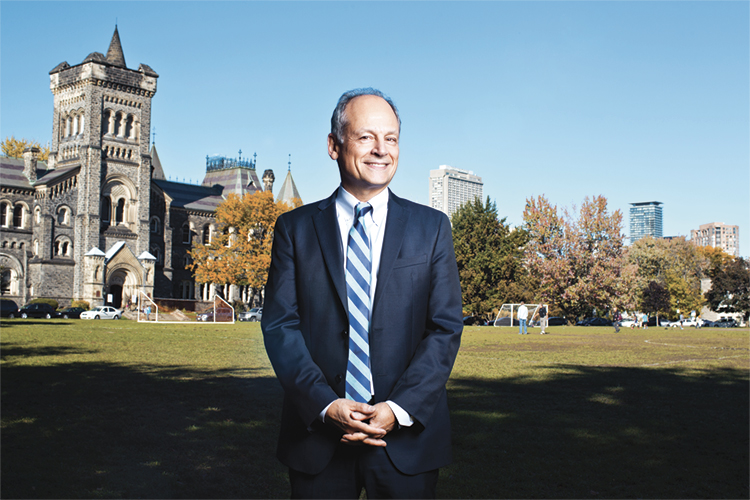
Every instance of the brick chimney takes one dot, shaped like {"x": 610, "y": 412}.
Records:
{"x": 30, "y": 156}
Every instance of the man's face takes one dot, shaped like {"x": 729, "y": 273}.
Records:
{"x": 368, "y": 157}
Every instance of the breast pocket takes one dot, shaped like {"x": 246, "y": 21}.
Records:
{"x": 410, "y": 261}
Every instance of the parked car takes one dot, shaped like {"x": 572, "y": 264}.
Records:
{"x": 8, "y": 309}
{"x": 599, "y": 322}
{"x": 725, "y": 323}
{"x": 37, "y": 310}
{"x": 205, "y": 315}
{"x": 70, "y": 313}
{"x": 254, "y": 314}
{"x": 102, "y": 312}
{"x": 557, "y": 321}
{"x": 474, "y": 321}
{"x": 662, "y": 322}
{"x": 627, "y": 323}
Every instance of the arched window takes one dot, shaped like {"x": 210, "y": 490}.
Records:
{"x": 154, "y": 224}
{"x": 106, "y": 209}
{"x": 6, "y": 278}
{"x": 4, "y": 207}
{"x": 18, "y": 216}
{"x": 57, "y": 248}
{"x": 36, "y": 248}
{"x": 38, "y": 215}
{"x": 120, "y": 211}
{"x": 206, "y": 235}
{"x": 186, "y": 234}
{"x": 62, "y": 216}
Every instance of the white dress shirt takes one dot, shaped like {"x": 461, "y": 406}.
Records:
{"x": 375, "y": 224}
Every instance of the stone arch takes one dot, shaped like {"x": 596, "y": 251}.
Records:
{"x": 64, "y": 214}
{"x": 155, "y": 224}
{"x": 62, "y": 247}
{"x": 122, "y": 195}
{"x": 21, "y": 214}
{"x": 6, "y": 213}
{"x": 15, "y": 274}
{"x": 124, "y": 280}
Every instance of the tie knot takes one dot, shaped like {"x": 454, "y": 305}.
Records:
{"x": 362, "y": 209}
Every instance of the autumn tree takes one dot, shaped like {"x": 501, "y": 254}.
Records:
{"x": 14, "y": 148}
{"x": 577, "y": 256}
{"x": 240, "y": 250}
{"x": 489, "y": 257}
{"x": 676, "y": 264}
{"x": 655, "y": 299}
{"x": 730, "y": 288}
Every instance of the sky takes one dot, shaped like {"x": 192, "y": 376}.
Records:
{"x": 635, "y": 101}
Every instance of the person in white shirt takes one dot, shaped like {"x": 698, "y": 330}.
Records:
{"x": 523, "y": 315}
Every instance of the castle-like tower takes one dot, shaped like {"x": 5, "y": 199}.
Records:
{"x": 100, "y": 138}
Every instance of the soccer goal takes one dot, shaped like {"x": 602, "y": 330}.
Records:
{"x": 219, "y": 312}
{"x": 147, "y": 308}
{"x": 508, "y": 313}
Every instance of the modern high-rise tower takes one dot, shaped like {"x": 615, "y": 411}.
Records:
{"x": 718, "y": 234}
{"x": 645, "y": 220}
{"x": 452, "y": 187}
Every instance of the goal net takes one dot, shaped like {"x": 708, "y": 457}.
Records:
{"x": 219, "y": 312}
{"x": 147, "y": 308}
{"x": 508, "y": 314}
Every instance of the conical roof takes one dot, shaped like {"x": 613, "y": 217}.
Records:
{"x": 115, "y": 57}
{"x": 288, "y": 192}
{"x": 157, "y": 170}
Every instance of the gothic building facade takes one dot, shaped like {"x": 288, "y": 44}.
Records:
{"x": 98, "y": 221}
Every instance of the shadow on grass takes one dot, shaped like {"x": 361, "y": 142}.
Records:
{"x": 588, "y": 432}
{"x": 101, "y": 430}
{"x": 88, "y": 430}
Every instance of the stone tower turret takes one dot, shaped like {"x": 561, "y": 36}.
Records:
{"x": 101, "y": 124}
{"x": 30, "y": 156}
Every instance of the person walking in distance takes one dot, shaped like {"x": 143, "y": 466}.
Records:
{"x": 523, "y": 315}
{"x": 543, "y": 318}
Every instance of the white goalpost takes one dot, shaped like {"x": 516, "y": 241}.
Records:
{"x": 509, "y": 312}
{"x": 220, "y": 311}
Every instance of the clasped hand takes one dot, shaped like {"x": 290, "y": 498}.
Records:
{"x": 361, "y": 423}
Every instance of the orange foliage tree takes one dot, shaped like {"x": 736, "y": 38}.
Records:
{"x": 240, "y": 249}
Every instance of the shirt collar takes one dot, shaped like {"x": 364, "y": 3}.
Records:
{"x": 346, "y": 202}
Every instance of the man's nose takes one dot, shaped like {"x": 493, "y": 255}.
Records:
{"x": 379, "y": 148}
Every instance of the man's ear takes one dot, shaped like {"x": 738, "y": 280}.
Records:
{"x": 333, "y": 147}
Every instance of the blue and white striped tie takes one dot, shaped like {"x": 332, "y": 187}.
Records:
{"x": 358, "y": 268}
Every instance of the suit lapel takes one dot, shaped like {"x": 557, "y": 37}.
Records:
{"x": 395, "y": 228}
{"x": 327, "y": 228}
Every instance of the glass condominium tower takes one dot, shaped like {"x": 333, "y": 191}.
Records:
{"x": 645, "y": 220}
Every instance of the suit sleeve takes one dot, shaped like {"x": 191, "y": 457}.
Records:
{"x": 421, "y": 387}
{"x": 301, "y": 378}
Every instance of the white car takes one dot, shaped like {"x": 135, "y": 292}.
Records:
{"x": 627, "y": 323}
{"x": 254, "y": 314}
{"x": 685, "y": 322}
{"x": 102, "y": 312}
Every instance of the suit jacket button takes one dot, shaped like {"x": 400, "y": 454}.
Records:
{"x": 345, "y": 333}
{"x": 338, "y": 379}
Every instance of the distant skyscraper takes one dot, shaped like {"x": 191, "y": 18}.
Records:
{"x": 718, "y": 235}
{"x": 645, "y": 220}
{"x": 452, "y": 187}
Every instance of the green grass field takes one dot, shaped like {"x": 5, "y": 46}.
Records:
{"x": 118, "y": 409}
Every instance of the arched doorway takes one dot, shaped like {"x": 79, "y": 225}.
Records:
{"x": 116, "y": 292}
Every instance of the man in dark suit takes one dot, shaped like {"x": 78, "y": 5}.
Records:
{"x": 362, "y": 322}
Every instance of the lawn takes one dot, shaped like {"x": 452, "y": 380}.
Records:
{"x": 121, "y": 409}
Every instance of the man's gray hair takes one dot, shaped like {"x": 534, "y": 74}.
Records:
{"x": 338, "y": 120}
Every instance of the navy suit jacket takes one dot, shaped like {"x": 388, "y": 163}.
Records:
{"x": 415, "y": 331}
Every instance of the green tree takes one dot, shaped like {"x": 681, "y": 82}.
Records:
{"x": 489, "y": 256}
{"x": 730, "y": 289}
{"x": 14, "y": 148}
{"x": 578, "y": 257}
